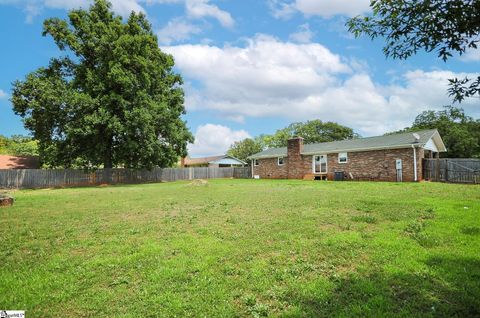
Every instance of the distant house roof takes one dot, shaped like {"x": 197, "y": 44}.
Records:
{"x": 394, "y": 141}
{"x": 222, "y": 159}
{"x": 17, "y": 162}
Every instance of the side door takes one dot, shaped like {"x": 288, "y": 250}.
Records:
{"x": 320, "y": 164}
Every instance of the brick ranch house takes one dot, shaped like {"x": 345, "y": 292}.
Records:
{"x": 396, "y": 157}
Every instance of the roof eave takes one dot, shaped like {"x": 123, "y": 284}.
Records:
{"x": 231, "y": 157}
{"x": 439, "y": 141}
{"x": 365, "y": 149}
{"x": 267, "y": 156}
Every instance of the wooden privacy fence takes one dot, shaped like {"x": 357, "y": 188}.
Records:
{"x": 39, "y": 178}
{"x": 452, "y": 170}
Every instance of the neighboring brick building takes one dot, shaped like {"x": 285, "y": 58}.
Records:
{"x": 383, "y": 158}
{"x": 19, "y": 162}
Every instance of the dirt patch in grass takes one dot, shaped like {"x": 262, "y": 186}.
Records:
{"x": 5, "y": 200}
{"x": 198, "y": 183}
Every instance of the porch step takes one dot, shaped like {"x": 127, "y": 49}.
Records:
{"x": 309, "y": 176}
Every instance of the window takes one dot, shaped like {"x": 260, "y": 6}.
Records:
{"x": 342, "y": 157}
{"x": 280, "y": 161}
{"x": 320, "y": 164}
{"x": 255, "y": 162}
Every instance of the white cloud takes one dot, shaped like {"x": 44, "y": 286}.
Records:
{"x": 213, "y": 139}
{"x": 125, "y": 7}
{"x": 195, "y": 9}
{"x": 304, "y": 34}
{"x": 31, "y": 12}
{"x": 63, "y": 4}
{"x": 328, "y": 8}
{"x": 33, "y": 8}
{"x": 323, "y": 8}
{"x": 3, "y": 94}
{"x": 177, "y": 30}
{"x": 472, "y": 55}
{"x": 265, "y": 63}
{"x": 202, "y": 8}
{"x": 281, "y": 10}
{"x": 270, "y": 78}
{"x": 164, "y": 1}
{"x": 198, "y": 9}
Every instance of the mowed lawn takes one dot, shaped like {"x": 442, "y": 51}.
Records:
{"x": 243, "y": 248}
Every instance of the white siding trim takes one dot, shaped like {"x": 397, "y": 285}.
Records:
{"x": 430, "y": 145}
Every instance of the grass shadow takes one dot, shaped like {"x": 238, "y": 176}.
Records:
{"x": 450, "y": 288}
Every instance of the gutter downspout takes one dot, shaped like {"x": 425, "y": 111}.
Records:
{"x": 252, "y": 161}
{"x": 414, "y": 163}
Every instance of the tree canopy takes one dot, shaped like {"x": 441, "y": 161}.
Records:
{"x": 244, "y": 148}
{"x": 446, "y": 26}
{"x": 18, "y": 145}
{"x": 313, "y": 131}
{"x": 460, "y": 133}
{"x": 113, "y": 99}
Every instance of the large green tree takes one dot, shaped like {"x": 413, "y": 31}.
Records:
{"x": 460, "y": 133}
{"x": 18, "y": 145}
{"x": 4, "y": 141}
{"x": 312, "y": 131}
{"x": 449, "y": 27}
{"x": 244, "y": 148}
{"x": 113, "y": 99}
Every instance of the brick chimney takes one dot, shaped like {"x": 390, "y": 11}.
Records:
{"x": 295, "y": 162}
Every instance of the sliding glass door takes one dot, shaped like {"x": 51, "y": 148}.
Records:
{"x": 320, "y": 164}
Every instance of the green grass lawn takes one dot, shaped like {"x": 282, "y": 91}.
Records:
{"x": 243, "y": 248}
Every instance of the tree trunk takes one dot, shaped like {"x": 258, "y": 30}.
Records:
{"x": 107, "y": 155}
{"x": 107, "y": 161}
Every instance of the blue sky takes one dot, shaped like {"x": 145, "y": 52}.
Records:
{"x": 253, "y": 66}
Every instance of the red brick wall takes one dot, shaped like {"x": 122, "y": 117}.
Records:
{"x": 378, "y": 165}
{"x": 269, "y": 169}
{"x": 295, "y": 166}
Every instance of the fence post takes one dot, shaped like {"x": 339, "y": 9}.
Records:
{"x": 446, "y": 170}
{"x": 437, "y": 169}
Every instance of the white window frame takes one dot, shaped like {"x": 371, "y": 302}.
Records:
{"x": 346, "y": 157}
{"x": 255, "y": 162}
{"x": 278, "y": 161}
